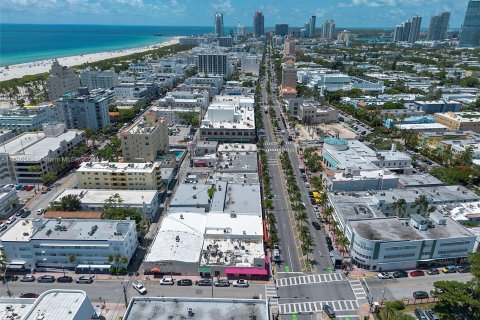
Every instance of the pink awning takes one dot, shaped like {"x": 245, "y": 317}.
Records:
{"x": 261, "y": 272}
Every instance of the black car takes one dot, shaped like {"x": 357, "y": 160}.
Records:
{"x": 329, "y": 311}
{"x": 328, "y": 239}
{"x": 312, "y": 201}
{"x": 433, "y": 271}
{"x": 316, "y": 225}
{"x": 204, "y": 282}
{"x": 420, "y": 295}
{"x": 29, "y": 295}
{"x": 20, "y": 212}
{"x": 400, "y": 274}
{"x": 184, "y": 282}
{"x": 46, "y": 279}
{"x": 65, "y": 279}
{"x": 431, "y": 315}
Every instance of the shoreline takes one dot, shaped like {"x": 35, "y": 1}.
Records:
{"x": 42, "y": 66}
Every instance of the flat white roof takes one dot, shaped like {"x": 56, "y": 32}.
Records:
{"x": 244, "y": 224}
{"x": 180, "y": 238}
{"x": 421, "y": 126}
{"x": 16, "y": 144}
{"x": 98, "y": 196}
{"x": 59, "y": 304}
{"x": 106, "y": 166}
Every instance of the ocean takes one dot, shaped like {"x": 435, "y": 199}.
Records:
{"x": 20, "y": 43}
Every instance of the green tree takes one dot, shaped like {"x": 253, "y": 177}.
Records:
{"x": 70, "y": 202}
{"x": 421, "y": 204}
{"x": 211, "y": 191}
{"x": 400, "y": 207}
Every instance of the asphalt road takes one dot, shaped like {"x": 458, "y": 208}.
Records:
{"x": 111, "y": 291}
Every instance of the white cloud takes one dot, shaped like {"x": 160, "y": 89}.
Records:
{"x": 224, "y": 6}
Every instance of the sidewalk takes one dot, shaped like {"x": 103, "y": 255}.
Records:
{"x": 364, "y": 312}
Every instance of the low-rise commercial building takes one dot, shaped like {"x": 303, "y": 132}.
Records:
{"x": 229, "y": 119}
{"x": 422, "y": 127}
{"x": 27, "y": 118}
{"x": 185, "y": 99}
{"x": 469, "y": 121}
{"x": 312, "y": 112}
{"x": 134, "y": 91}
{"x": 94, "y": 79}
{"x": 359, "y": 180}
{"x": 119, "y": 175}
{"x": 145, "y": 202}
{"x": 436, "y": 140}
{"x": 196, "y": 308}
{"x": 145, "y": 139}
{"x": 175, "y": 115}
{"x": 431, "y": 107}
{"x": 35, "y": 243}
{"x": 8, "y": 200}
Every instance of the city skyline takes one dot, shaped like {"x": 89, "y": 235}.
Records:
{"x": 346, "y": 13}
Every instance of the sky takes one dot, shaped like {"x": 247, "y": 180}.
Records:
{"x": 346, "y": 13}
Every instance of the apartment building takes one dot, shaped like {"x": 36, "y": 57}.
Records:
{"x": 85, "y": 109}
{"x": 460, "y": 120}
{"x": 51, "y": 243}
{"x": 145, "y": 139}
{"x": 27, "y": 118}
{"x": 94, "y": 79}
{"x": 119, "y": 175}
{"x": 61, "y": 80}
{"x": 8, "y": 200}
{"x": 185, "y": 99}
{"x": 177, "y": 115}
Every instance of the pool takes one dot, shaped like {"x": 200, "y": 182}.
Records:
{"x": 178, "y": 154}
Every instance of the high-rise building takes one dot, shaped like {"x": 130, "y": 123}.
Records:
{"x": 61, "y": 80}
{"x": 407, "y": 26}
{"x": 258, "y": 24}
{"x": 328, "y": 29}
{"x": 85, "y": 109}
{"x": 218, "y": 24}
{"x": 289, "y": 80}
{"x": 415, "y": 29}
{"x": 398, "y": 33}
{"x": 438, "y": 26}
{"x": 214, "y": 63}
{"x": 240, "y": 30}
{"x": 281, "y": 29}
{"x": 470, "y": 34}
{"x": 145, "y": 139}
{"x": 306, "y": 29}
{"x": 312, "y": 21}
{"x": 289, "y": 47}
{"x": 225, "y": 41}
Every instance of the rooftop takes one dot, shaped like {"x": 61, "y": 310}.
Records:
{"x": 162, "y": 308}
{"x": 236, "y": 161}
{"x": 191, "y": 195}
{"x": 98, "y": 196}
{"x": 421, "y": 126}
{"x": 394, "y": 229}
{"x": 462, "y": 116}
{"x": 232, "y": 252}
{"x": 437, "y": 194}
{"x": 418, "y": 179}
{"x": 106, "y": 166}
{"x": 59, "y": 304}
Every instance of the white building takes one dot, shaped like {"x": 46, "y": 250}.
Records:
{"x": 94, "y": 79}
{"x": 177, "y": 115}
{"x": 134, "y": 91}
{"x": 8, "y": 201}
{"x": 359, "y": 180}
{"x": 229, "y": 119}
{"x": 85, "y": 109}
{"x": 312, "y": 112}
{"x": 42, "y": 150}
{"x": 185, "y": 99}
{"x": 56, "y": 243}
{"x": 215, "y": 63}
{"x": 145, "y": 202}
{"x": 28, "y": 118}
{"x": 54, "y": 304}
{"x": 250, "y": 63}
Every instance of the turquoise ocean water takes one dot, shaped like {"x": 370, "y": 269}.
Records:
{"x": 21, "y": 43}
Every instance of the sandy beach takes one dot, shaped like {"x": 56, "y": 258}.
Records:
{"x": 35, "y": 67}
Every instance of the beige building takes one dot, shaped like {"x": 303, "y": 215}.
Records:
{"x": 289, "y": 80}
{"x": 145, "y": 139}
{"x": 289, "y": 47}
{"x": 119, "y": 175}
{"x": 459, "y": 120}
{"x": 61, "y": 80}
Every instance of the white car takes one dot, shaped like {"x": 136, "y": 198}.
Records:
{"x": 315, "y": 209}
{"x": 40, "y": 211}
{"x": 241, "y": 283}
{"x": 11, "y": 220}
{"x": 137, "y": 285}
{"x": 167, "y": 282}
{"x": 384, "y": 275}
{"x": 307, "y": 185}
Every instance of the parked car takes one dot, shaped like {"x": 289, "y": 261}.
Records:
{"x": 29, "y": 295}
{"x": 420, "y": 314}
{"x": 167, "y": 282}
{"x": 315, "y": 209}
{"x": 319, "y": 216}
{"x": 11, "y": 220}
{"x": 65, "y": 279}
{"x": 436, "y": 291}
{"x": 40, "y": 211}
{"x": 137, "y": 285}
{"x": 420, "y": 294}
{"x": 222, "y": 283}
{"x": 384, "y": 275}
{"x": 3, "y": 227}
{"x": 29, "y": 187}
{"x": 433, "y": 271}
{"x": 204, "y": 282}
{"x": 46, "y": 279}
{"x": 328, "y": 240}
{"x": 84, "y": 279}
{"x": 400, "y": 274}
{"x": 276, "y": 255}
{"x": 463, "y": 269}
{"x": 241, "y": 283}
{"x": 316, "y": 225}
{"x": 25, "y": 214}
{"x": 417, "y": 273}
{"x": 20, "y": 212}
{"x": 329, "y": 311}
{"x": 307, "y": 185}
{"x": 431, "y": 315}
{"x": 184, "y": 282}
{"x": 449, "y": 269}
{"x": 28, "y": 278}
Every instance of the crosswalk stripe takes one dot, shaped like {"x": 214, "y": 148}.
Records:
{"x": 309, "y": 279}
{"x": 316, "y": 306}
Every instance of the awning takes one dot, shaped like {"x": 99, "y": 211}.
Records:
{"x": 155, "y": 269}
{"x": 12, "y": 266}
{"x": 252, "y": 271}
{"x": 93, "y": 266}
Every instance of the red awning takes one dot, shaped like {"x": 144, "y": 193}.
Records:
{"x": 155, "y": 270}
{"x": 262, "y": 272}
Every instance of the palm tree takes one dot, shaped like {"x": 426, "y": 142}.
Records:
{"x": 281, "y": 144}
{"x": 323, "y": 199}
{"x": 421, "y": 203}
{"x": 72, "y": 258}
{"x": 333, "y": 225}
{"x": 301, "y": 216}
{"x": 400, "y": 206}
{"x": 343, "y": 243}
{"x": 466, "y": 156}
{"x": 124, "y": 260}
{"x": 327, "y": 213}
